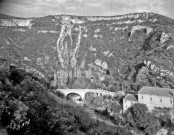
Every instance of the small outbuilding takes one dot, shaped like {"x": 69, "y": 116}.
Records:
{"x": 129, "y": 100}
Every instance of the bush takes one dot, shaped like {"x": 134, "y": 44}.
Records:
{"x": 17, "y": 75}
{"x": 13, "y": 116}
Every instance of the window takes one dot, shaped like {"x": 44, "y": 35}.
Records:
{"x": 171, "y": 101}
{"x": 160, "y": 100}
{"x": 142, "y": 97}
{"x": 151, "y": 98}
{"x": 125, "y": 101}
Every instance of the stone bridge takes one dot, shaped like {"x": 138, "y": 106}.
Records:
{"x": 82, "y": 92}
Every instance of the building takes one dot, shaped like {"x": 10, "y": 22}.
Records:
{"x": 156, "y": 97}
{"x": 152, "y": 97}
{"x": 129, "y": 100}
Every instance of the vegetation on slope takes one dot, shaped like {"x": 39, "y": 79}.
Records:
{"x": 124, "y": 44}
{"x": 26, "y": 107}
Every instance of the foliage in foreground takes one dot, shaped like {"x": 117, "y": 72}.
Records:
{"x": 26, "y": 107}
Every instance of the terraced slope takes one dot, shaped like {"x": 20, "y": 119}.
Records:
{"x": 130, "y": 50}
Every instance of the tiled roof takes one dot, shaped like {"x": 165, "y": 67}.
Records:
{"x": 131, "y": 97}
{"x": 166, "y": 92}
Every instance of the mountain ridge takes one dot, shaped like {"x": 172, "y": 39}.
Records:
{"x": 6, "y": 16}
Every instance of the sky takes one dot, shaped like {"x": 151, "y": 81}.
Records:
{"x": 39, "y": 8}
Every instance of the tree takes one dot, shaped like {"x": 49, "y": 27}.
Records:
{"x": 114, "y": 88}
{"x": 114, "y": 107}
{"x": 139, "y": 117}
{"x": 80, "y": 83}
{"x": 97, "y": 101}
{"x": 13, "y": 116}
{"x": 4, "y": 74}
{"x": 17, "y": 75}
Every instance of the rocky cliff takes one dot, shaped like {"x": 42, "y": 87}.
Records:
{"x": 128, "y": 50}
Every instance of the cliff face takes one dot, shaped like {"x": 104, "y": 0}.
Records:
{"x": 134, "y": 49}
{"x": 15, "y": 22}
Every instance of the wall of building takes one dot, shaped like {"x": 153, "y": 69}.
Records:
{"x": 155, "y": 101}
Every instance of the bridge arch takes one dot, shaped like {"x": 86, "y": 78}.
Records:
{"x": 96, "y": 94}
{"x": 74, "y": 96}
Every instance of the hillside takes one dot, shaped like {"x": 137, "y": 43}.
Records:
{"x": 27, "y": 106}
{"x": 128, "y": 50}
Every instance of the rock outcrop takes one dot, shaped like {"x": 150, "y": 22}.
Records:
{"x": 16, "y": 22}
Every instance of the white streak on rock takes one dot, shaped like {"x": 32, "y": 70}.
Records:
{"x": 59, "y": 50}
{"x": 164, "y": 37}
{"x": 74, "y": 60}
{"x": 46, "y": 31}
{"x": 106, "y": 52}
{"x": 97, "y": 30}
{"x": 85, "y": 35}
{"x": 96, "y": 36}
{"x": 92, "y": 49}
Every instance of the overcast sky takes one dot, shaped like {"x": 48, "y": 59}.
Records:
{"x": 37, "y": 8}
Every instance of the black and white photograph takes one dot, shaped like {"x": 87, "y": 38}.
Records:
{"x": 86, "y": 67}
